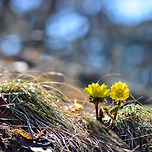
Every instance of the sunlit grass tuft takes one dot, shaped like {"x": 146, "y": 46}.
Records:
{"x": 41, "y": 110}
{"x": 37, "y": 112}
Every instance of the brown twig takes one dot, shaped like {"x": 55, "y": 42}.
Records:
{"x": 96, "y": 107}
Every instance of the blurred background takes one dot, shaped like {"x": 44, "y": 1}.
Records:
{"x": 83, "y": 39}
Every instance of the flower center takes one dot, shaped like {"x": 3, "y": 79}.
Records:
{"x": 119, "y": 93}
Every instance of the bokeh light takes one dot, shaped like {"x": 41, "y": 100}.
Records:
{"x": 1, "y": 4}
{"x": 36, "y": 35}
{"x": 134, "y": 54}
{"x": 94, "y": 45}
{"x": 10, "y": 45}
{"x": 130, "y": 12}
{"x": 67, "y": 25}
{"x": 23, "y": 6}
{"x": 91, "y": 7}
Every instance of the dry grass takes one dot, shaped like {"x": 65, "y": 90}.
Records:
{"x": 38, "y": 112}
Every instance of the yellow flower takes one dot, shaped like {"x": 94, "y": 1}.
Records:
{"x": 96, "y": 91}
{"x": 119, "y": 91}
{"x": 97, "y": 94}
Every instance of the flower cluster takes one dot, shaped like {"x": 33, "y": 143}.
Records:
{"x": 119, "y": 92}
